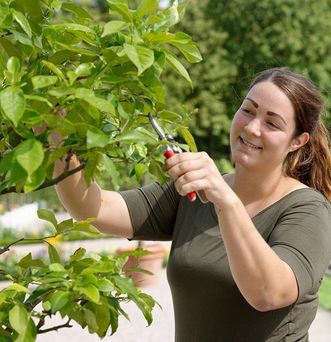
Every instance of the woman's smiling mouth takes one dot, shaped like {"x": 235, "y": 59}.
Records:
{"x": 248, "y": 144}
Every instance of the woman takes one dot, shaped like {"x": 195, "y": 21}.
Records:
{"x": 246, "y": 265}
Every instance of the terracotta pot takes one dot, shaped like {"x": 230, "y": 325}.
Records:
{"x": 151, "y": 262}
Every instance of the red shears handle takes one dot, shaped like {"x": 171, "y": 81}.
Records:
{"x": 192, "y": 196}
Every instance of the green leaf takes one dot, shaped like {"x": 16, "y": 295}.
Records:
{"x": 79, "y": 11}
{"x": 112, "y": 172}
{"x": 39, "y": 99}
{"x": 27, "y": 262}
{"x": 61, "y": 91}
{"x": 18, "y": 318}
{"x": 47, "y": 215}
{"x": 53, "y": 254}
{"x": 79, "y": 253}
{"x": 46, "y": 306}
{"x": 84, "y": 69}
{"x": 23, "y": 38}
{"x": 13, "y": 103}
{"x": 30, "y": 155}
{"x": 188, "y": 138}
{"x": 120, "y": 7}
{"x": 140, "y": 170}
{"x": 34, "y": 180}
{"x": 23, "y": 22}
{"x": 158, "y": 37}
{"x": 58, "y": 300}
{"x": 169, "y": 115}
{"x": 65, "y": 225}
{"x": 91, "y": 166}
{"x": 17, "y": 288}
{"x": 91, "y": 320}
{"x": 96, "y": 138}
{"x": 77, "y": 50}
{"x": 105, "y": 285}
{"x": 85, "y": 227}
{"x": 98, "y": 102}
{"x": 102, "y": 316}
{"x": 146, "y": 7}
{"x": 91, "y": 292}
{"x": 113, "y": 26}
{"x": 72, "y": 27}
{"x": 140, "y": 134}
{"x": 41, "y": 81}
{"x": 13, "y": 65}
{"x": 177, "y": 66}
{"x": 156, "y": 169}
{"x": 190, "y": 51}
{"x": 56, "y": 267}
{"x": 140, "y": 56}
{"x": 54, "y": 69}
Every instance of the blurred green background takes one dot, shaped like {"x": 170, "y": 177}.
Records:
{"x": 237, "y": 39}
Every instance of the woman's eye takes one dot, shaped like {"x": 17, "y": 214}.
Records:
{"x": 273, "y": 125}
{"x": 245, "y": 110}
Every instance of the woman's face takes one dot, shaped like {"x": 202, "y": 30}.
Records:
{"x": 262, "y": 129}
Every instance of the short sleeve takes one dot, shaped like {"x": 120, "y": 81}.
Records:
{"x": 153, "y": 210}
{"x": 302, "y": 238}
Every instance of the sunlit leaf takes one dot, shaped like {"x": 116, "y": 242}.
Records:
{"x": 18, "y": 318}
{"x": 17, "y": 287}
{"x": 113, "y": 26}
{"x": 96, "y": 101}
{"x": 140, "y": 56}
{"x": 13, "y": 103}
{"x": 53, "y": 254}
{"x": 30, "y": 155}
{"x": 112, "y": 172}
{"x": 91, "y": 292}
{"x": 23, "y": 22}
{"x": 41, "y": 81}
{"x": 35, "y": 180}
{"x": 120, "y": 7}
{"x": 146, "y": 7}
{"x": 177, "y": 66}
{"x": 47, "y": 215}
{"x": 58, "y": 299}
{"x": 188, "y": 138}
{"x": 96, "y": 139}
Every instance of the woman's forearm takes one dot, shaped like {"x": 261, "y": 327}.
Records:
{"x": 265, "y": 280}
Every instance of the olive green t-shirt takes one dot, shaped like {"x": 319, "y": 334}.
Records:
{"x": 207, "y": 303}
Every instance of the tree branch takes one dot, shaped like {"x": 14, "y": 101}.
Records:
{"x": 49, "y": 182}
{"x": 65, "y": 325}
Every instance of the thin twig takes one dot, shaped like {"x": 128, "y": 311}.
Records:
{"x": 65, "y": 325}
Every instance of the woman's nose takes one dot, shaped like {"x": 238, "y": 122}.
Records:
{"x": 254, "y": 127}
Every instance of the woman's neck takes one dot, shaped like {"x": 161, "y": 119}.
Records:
{"x": 257, "y": 186}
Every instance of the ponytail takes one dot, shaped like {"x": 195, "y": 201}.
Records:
{"x": 311, "y": 164}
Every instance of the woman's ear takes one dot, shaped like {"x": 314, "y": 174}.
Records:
{"x": 299, "y": 141}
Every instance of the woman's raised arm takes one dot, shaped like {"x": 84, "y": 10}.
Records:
{"x": 82, "y": 202}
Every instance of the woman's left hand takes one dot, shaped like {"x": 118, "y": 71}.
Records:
{"x": 197, "y": 172}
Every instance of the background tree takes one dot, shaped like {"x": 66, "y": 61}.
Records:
{"x": 241, "y": 38}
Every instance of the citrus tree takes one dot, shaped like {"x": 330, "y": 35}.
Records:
{"x": 73, "y": 85}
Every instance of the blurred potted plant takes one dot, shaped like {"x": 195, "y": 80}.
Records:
{"x": 100, "y": 78}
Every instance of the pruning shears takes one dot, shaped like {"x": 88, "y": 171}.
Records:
{"x": 171, "y": 149}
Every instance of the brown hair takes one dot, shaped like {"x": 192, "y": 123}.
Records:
{"x": 310, "y": 164}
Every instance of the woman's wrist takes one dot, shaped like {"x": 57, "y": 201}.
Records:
{"x": 231, "y": 202}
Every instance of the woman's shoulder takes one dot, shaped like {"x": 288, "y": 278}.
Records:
{"x": 304, "y": 199}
